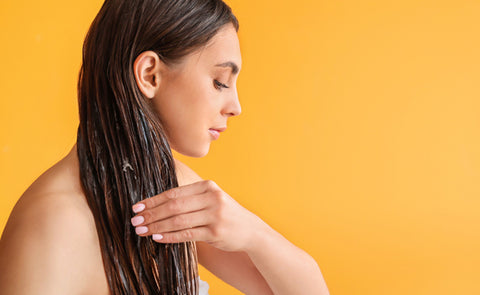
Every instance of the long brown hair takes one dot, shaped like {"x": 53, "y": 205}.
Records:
{"x": 122, "y": 148}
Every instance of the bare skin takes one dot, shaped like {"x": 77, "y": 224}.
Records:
{"x": 52, "y": 228}
{"x": 50, "y": 243}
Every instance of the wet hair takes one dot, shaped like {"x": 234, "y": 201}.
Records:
{"x": 121, "y": 144}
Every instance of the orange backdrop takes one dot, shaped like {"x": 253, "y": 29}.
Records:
{"x": 358, "y": 138}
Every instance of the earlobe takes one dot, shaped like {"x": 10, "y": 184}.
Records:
{"x": 146, "y": 69}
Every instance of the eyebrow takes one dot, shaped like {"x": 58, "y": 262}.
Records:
{"x": 230, "y": 64}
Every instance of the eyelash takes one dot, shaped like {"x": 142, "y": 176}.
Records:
{"x": 219, "y": 85}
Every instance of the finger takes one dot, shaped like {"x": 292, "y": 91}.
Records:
{"x": 174, "y": 193}
{"x": 192, "y": 234}
{"x": 171, "y": 208}
{"x": 176, "y": 223}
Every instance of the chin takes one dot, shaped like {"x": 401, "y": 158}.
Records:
{"x": 198, "y": 152}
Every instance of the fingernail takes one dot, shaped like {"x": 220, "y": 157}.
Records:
{"x": 138, "y": 207}
{"x": 137, "y": 220}
{"x": 157, "y": 237}
{"x": 141, "y": 230}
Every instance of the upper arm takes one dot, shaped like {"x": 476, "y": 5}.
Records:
{"x": 44, "y": 247}
{"x": 234, "y": 268}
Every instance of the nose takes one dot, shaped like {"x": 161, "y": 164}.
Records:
{"x": 233, "y": 107}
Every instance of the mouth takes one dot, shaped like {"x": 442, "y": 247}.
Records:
{"x": 215, "y": 132}
{"x": 219, "y": 129}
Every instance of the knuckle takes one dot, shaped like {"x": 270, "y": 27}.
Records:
{"x": 220, "y": 200}
{"x": 216, "y": 232}
{"x": 219, "y": 204}
{"x": 154, "y": 228}
{"x": 171, "y": 194}
{"x": 174, "y": 206}
{"x": 147, "y": 216}
{"x": 219, "y": 197}
{"x": 211, "y": 185}
{"x": 149, "y": 203}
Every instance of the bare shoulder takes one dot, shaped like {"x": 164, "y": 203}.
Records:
{"x": 185, "y": 174}
{"x": 49, "y": 245}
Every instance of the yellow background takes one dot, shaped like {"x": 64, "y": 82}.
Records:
{"x": 358, "y": 139}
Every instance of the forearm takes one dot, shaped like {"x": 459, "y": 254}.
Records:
{"x": 286, "y": 268}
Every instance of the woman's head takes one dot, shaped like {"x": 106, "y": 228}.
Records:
{"x": 190, "y": 96}
{"x": 147, "y": 82}
{"x": 178, "y": 43}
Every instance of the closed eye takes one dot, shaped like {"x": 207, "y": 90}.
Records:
{"x": 219, "y": 85}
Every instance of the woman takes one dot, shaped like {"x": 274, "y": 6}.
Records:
{"x": 119, "y": 214}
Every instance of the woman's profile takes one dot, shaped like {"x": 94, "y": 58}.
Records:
{"x": 119, "y": 214}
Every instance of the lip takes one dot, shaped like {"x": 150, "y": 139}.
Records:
{"x": 219, "y": 129}
{"x": 215, "y": 132}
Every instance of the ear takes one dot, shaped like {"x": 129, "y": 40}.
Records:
{"x": 147, "y": 69}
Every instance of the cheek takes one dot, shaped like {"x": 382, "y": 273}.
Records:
{"x": 187, "y": 110}
{"x": 198, "y": 101}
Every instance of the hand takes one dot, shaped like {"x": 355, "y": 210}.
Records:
{"x": 200, "y": 211}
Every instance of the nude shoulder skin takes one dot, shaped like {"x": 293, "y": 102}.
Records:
{"x": 50, "y": 244}
{"x": 50, "y": 240}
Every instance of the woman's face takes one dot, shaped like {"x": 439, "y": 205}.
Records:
{"x": 190, "y": 99}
